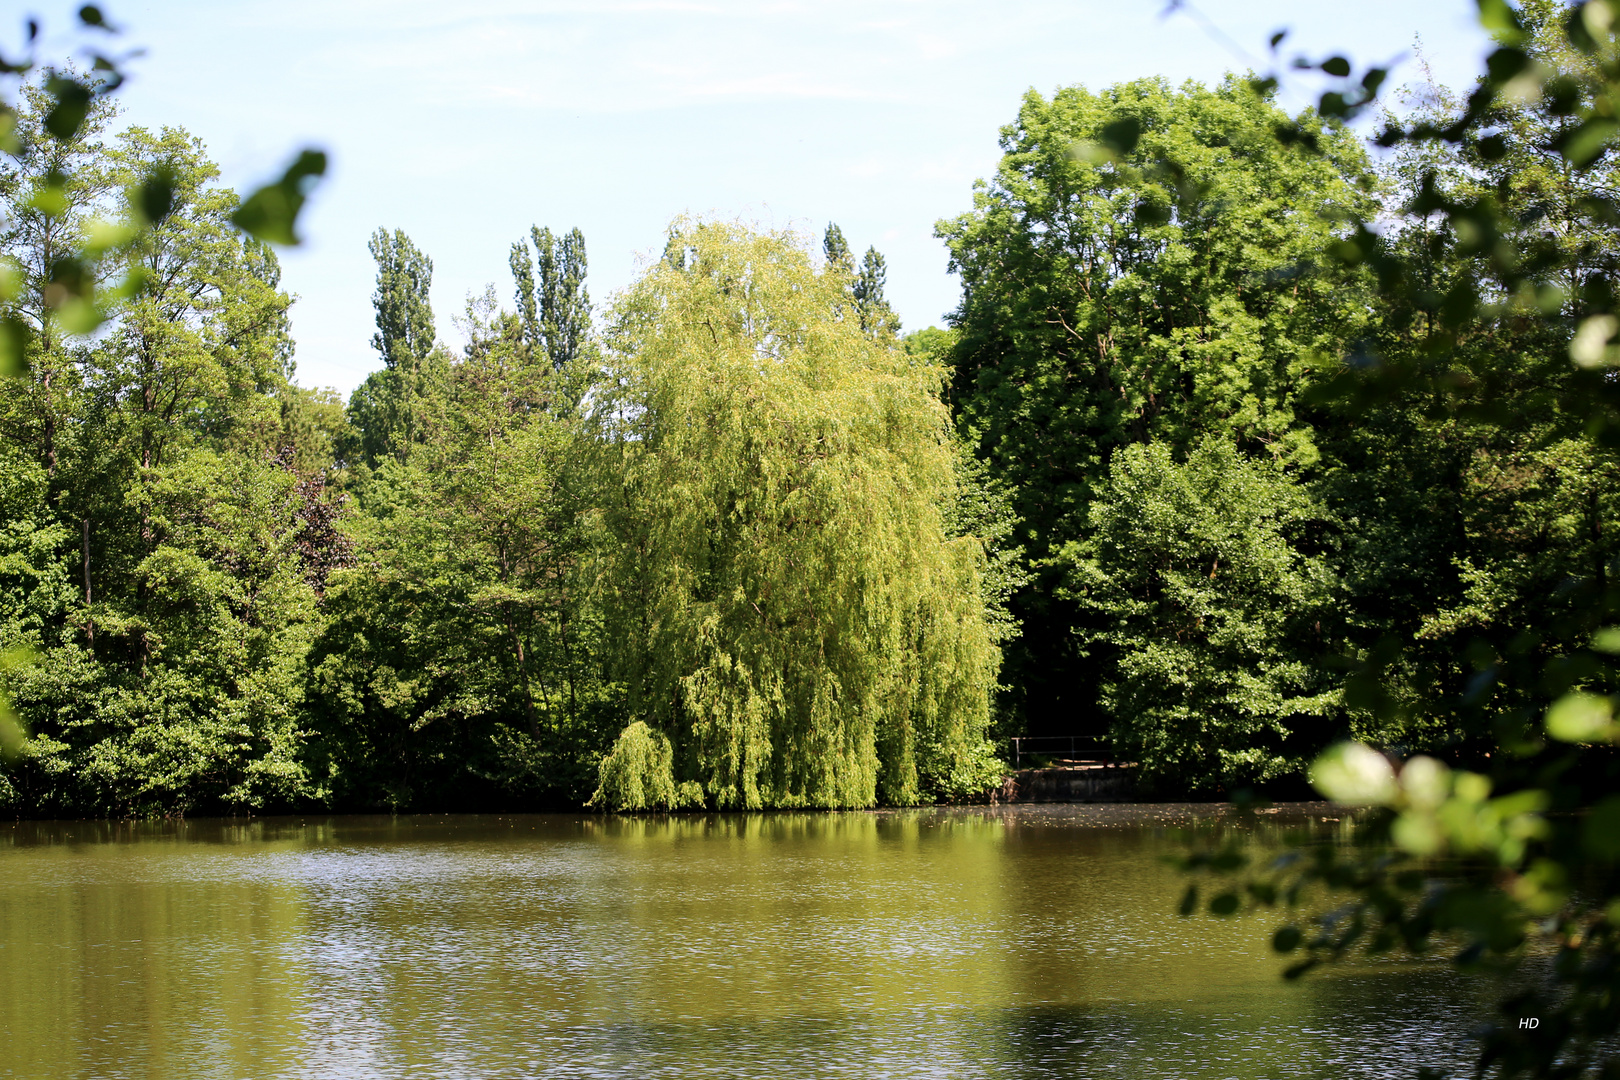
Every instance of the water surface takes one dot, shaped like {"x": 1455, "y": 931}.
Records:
{"x": 1029, "y": 942}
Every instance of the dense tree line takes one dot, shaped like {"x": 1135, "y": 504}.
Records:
{"x": 733, "y": 527}
{"x": 733, "y": 542}
{"x": 1241, "y": 547}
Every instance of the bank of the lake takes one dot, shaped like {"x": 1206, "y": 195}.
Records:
{"x": 1028, "y": 941}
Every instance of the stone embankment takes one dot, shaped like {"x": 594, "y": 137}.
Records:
{"x": 1070, "y": 782}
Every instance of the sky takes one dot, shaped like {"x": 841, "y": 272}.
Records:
{"x": 465, "y": 123}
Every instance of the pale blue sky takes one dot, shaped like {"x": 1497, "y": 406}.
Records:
{"x": 465, "y": 122}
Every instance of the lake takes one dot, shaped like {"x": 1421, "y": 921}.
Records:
{"x": 1024, "y": 941}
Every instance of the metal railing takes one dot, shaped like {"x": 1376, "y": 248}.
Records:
{"x": 1064, "y": 747}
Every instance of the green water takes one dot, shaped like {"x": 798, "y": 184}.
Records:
{"x": 1025, "y": 942}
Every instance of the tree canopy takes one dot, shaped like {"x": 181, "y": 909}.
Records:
{"x": 793, "y": 625}
{"x": 1148, "y": 263}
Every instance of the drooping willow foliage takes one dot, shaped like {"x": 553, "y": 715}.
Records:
{"x": 782, "y": 598}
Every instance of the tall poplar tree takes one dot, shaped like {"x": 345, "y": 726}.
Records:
{"x": 552, "y": 300}
{"x": 387, "y": 408}
{"x": 871, "y": 306}
{"x": 864, "y": 284}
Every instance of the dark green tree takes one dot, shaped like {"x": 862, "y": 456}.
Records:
{"x": 1197, "y": 576}
{"x": 1148, "y": 263}
{"x": 169, "y": 673}
{"x": 836, "y": 249}
{"x": 871, "y": 307}
{"x": 1499, "y": 305}
{"x": 387, "y": 410}
{"x": 864, "y": 283}
{"x": 66, "y": 280}
{"x": 1476, "y": 513}
{"x": 553, "y": 303}
{"x": 528, "y": 300}
{"x": 460, "y": 664}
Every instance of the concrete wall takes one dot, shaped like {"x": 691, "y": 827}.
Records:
{"x": 1069, "y": 785}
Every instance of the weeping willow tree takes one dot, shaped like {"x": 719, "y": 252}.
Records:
{"x": 793, "y": 622}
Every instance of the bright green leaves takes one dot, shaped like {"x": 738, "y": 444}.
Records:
{"x": 1355, "y": 775}
{"x": 1582, "y": 718}
{"x": 15, "y": 332}
{"x": 271, "y": 212}
{"x": 784, "y": 601}
{"x": 639, "y": 774}
{"x": 1500, "y": 20}
{"x": 1438, "y": 809}
{"x": 174, "y": 572}
{"x": 13, "y": 734}
{"x": 1193, "y": 579}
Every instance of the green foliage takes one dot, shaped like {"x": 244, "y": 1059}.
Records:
{"x": 836, "y": 249}
{"x": 873, "y": 311}
{"x": 1148, "y": 263}
{"x": 460, "y": 661}
{"x": 982, "y": 510}
{"x": 405, "y": 332}
{"x": 558, "y": 319}
{"x": 33, "y": 585}
{"x": 47, "y": 132}
{"x": 1497, "y": 284}
{"x": 156, "y": 546}
{"x": 639, "y": 774}
{"x": 213, "y": 624}
{"x": 271, "y": 213}
{"x": 387, "y": 411}
{"x": 180, "y": 688}
{"x": 1194, "y": 576}
{"x": 864, "y": 283}
{"x": 783, "y": 602}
